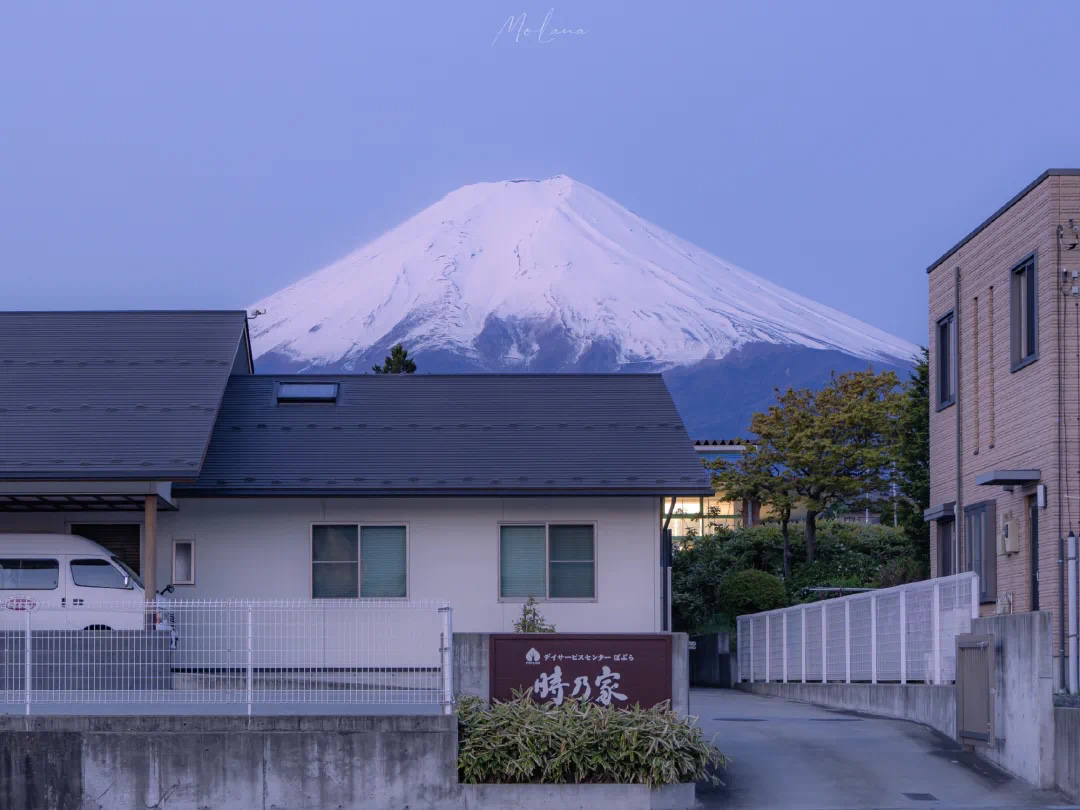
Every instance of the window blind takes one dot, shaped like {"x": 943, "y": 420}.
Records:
{"x": 522, "y": 558}
{"x": 382, "y": 561}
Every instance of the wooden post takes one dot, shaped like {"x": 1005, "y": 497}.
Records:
{"x": 148, "y": 563}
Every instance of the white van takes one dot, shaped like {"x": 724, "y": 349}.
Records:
{"x": 67, "y": 582}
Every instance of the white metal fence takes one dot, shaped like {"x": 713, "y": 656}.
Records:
{"x": 267, "y": 657}
{"x": 901, "y": 635}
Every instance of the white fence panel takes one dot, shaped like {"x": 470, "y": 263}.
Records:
{"x": 264, "y": 656}
{"x": 893, "y": 635}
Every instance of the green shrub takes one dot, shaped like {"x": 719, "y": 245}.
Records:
{"x": 522, "y": 741}
{"x": 850, "y": 555}
{"x": 751, "y": 591}
{"x": 532, "y": 620}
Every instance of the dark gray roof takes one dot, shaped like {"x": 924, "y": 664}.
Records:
{"x": 1016, "y": 198}
{"x": 113, "y": 395}
{"x": 514, "y": 434}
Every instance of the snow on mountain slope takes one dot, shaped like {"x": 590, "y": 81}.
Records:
{"x": 542, "y": 275}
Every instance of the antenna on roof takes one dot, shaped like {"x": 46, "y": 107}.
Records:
{"x": 256, "y": 314}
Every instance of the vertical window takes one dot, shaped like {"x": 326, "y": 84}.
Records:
{"x": 183, "y": 562}
{"x": 1025, "y": 347}
{"x": 351, "y": 561}
{"x": 944, "y": 356}
{"x": 975, "y": 369}
{"x": 946, "y": 548}
{"x": 980, "y": 546}
{"x": 990, "y": 360}
{"x": 556, "y": 561}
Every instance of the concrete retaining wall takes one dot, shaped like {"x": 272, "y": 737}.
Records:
{"x": 471, "y": 668}
{"x": 1024, "y": 699}
{"x": 933, "y": 706}
{"x": 263, "y": 763}
{"x": 1067, "y": 751}
{"x": 220, "y": 763}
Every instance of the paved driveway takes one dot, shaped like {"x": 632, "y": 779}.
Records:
{"x": 800, "y": 757}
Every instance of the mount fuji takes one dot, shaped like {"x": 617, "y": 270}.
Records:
{"x": 553, "y": 276}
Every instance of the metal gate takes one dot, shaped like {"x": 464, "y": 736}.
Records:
{"x": 975, "y": 688}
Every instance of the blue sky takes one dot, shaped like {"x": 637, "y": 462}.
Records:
{"x": 205, "y": 154}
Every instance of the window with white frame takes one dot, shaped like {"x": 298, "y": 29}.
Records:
{"x": 547, "y": 561}
{"x": 183, "y": 562}
{"x": 351, "y": 560}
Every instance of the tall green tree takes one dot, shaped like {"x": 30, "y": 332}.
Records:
{"x": 912, "y": 475}
{"x": 397, "y": 362}
{"x": 828, "y": 446}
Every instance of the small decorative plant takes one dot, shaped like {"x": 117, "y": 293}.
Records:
{"x": 531, "y": 620}
{"x": 520, "y": 741}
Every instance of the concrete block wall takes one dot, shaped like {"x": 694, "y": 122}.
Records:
{"x": 1067, "y": 751}
{"x": 1024, "y": 695}
{"x": 196, "y": 763}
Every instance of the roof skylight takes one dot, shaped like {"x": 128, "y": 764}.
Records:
{"x": 307, "y": 392}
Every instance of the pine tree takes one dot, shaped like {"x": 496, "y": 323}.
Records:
{"x": 397, "y": 362}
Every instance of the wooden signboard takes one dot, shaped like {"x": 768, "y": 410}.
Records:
{"x": 612, "y": 670}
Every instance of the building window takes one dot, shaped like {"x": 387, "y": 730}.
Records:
{"x": 990, "y": 359}
{"x": 183, "y": 562}
{"x": 980, "y": 546}
{"x": 946, "y": 547}
{"x": 977, "y": 382}
{"x": 97, "y": 573}
{"x": 547, "y": 561}
{"x": 1025, "y": 315}
{"x": 29, "y": 575}
{"x": 350, "y": 561}
{"x": 945, "y": 358}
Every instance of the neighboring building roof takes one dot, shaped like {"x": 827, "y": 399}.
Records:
{"x": 462, "y": 434}
{"x": 719, "y": 445}
{"x": 1023, "y": 192}
{"x": 113, "y": 395}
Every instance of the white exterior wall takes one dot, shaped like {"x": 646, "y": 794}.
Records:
{"x": 261, "y": 548}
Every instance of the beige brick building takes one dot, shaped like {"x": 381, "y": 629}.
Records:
{"x": 1004, "y": 322}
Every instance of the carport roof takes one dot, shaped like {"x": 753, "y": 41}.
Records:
{"x": 113, "y": 395}
{"x": 462, "y": 434}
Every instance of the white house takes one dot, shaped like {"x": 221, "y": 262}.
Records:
{"x": 149, "y": 433}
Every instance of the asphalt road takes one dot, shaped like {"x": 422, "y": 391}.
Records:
{"x": 800, "y": 757}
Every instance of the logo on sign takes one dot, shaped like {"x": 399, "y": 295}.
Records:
{"x": 20, "y": 602}
{"x": 532, "y": 656}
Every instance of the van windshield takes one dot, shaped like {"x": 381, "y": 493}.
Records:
{"x": 123, "y": 567}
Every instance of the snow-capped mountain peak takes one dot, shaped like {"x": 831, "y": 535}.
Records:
{"x": 542, "y": 275}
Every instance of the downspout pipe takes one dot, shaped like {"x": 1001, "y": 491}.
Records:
{"x": 1063, "y": 302}
{"x": 1074, "y": 671}
{"x": 665, "y": 569}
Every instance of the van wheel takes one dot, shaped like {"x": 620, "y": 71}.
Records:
{"x": 98, "y": 627}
